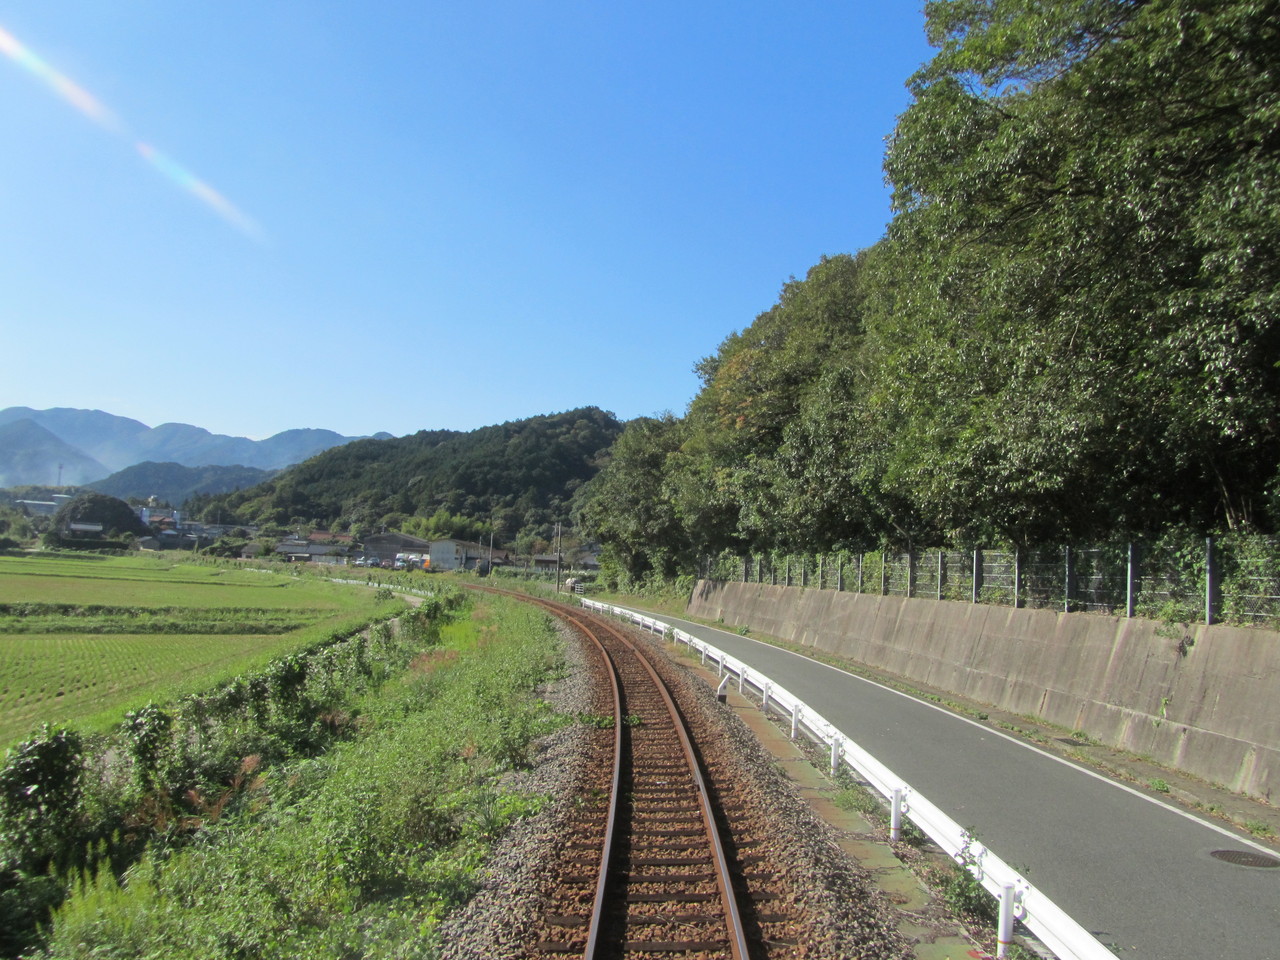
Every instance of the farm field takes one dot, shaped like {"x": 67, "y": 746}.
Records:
{"x": 82, "y": 640}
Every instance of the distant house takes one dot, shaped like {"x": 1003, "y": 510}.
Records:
{"x": 303, "y": 551}
{"x": 385, "y": 546}
{"x": 547, "y": 561}
{"x": 464, "y": 555}
{"x": 38, "y": 508}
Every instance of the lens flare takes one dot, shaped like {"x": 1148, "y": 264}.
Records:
{"x": 62, "y": 85}
{"x": 91, "y": 107}
{"x": 194, "y": 185}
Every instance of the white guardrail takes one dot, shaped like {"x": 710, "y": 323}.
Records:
{"x": 1018, "y": 899}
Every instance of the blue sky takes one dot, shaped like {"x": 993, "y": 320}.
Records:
{"x": 387, "y": 215}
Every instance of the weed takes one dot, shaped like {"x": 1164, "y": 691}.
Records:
{"x": 1158, "y": 784}
{"x": 1259, "y": 828}
{"x": 859, "y": 799}
{"x": 963, "y": 892}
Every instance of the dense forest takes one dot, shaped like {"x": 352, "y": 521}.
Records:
{"x": 516, "y": 479}
{"x": 1068, "y": 331}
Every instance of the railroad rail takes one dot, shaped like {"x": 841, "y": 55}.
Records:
{"x": 645, "y": 871}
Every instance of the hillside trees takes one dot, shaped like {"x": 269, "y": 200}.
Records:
{"x": 1085, "y": 195}
{"x": 1070, "y": 327}
{"x": 511, "y": 477}
{"x": 627, "y": 506}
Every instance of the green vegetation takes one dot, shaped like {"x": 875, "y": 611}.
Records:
{"x": 87, "y": 637}
{"x": 515, "y": 479}
{"x": 336, "y": 801}
{"x": 1067, "y": 334}
{"x": 358, "y": 852}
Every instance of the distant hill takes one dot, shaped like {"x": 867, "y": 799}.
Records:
{"x": 30, "y": 454}
{"x": 173, "y": 483}
{"x": 114, "y": 443}
{"x": 520, "y": 474}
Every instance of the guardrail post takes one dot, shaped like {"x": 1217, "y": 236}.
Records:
{"x": 895, "y": 815}
{"x": 764, "y": 699}
{"x": 1004, "y": 937}
{"x": 835, "y": 754}
{"x": 795, "y": 719}
{"x": 742, "y": 676}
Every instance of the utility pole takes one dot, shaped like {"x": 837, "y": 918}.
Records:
{"x": 557, "y": 557}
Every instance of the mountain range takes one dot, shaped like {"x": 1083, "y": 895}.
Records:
{"x": 67, "y": 446}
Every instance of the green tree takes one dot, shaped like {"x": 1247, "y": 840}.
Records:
{"x": 1083, "y": 310}
{"x": 116, "y": 516}
{"x": 626, "y": 508}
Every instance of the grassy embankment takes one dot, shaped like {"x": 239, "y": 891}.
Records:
{"x": 87, "y": 638}
{"x": 360, "y": 852}
{"x": 335, "y": 802}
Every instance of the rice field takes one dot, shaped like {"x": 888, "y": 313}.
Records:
{"x": 83, "y": 640}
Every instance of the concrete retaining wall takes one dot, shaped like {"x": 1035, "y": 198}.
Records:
{"x": 1207, "y": 703}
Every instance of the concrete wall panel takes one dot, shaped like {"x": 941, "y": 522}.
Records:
{"x": 1203, "y": 699}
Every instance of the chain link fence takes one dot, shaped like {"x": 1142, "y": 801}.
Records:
{"x": 1179, "y": 578}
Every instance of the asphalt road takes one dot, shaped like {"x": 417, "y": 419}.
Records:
{"x": 1133, "y": 870}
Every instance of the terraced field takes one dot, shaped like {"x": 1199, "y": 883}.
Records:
{"x": 83, "y": 639}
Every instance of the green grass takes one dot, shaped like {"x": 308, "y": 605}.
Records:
{"x": 83, "y": 640}
{"x": 360, "y": 852}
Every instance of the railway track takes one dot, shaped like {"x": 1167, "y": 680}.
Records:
{"x": 644, "y": 870}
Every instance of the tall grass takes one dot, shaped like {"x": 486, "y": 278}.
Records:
{"x": 356, "y": 853}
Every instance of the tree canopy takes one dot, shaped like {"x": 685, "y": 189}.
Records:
{"x": 1068, "y": 331}
{"x": 508, "y": 478}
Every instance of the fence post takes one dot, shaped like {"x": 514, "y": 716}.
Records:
{"x": 1131, "y": 585}
{"x": 942, "y": 571}
{"x": 911, "y": 572}
{"x": 1017, "y": 577}
{"x": 840, "y": 573}
{"x": 746, "y": 569}
{"x": 804, "y": 571}
{"x": 884, "y": 575}
{"x": 977, "y": 575}
{"x": 820, "y": 571}
{"x": 1210, "y": 580}
{"x": 861, "y": 554}
{"x": 1068, "y": 578}
{"x": 787, "y": 576}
